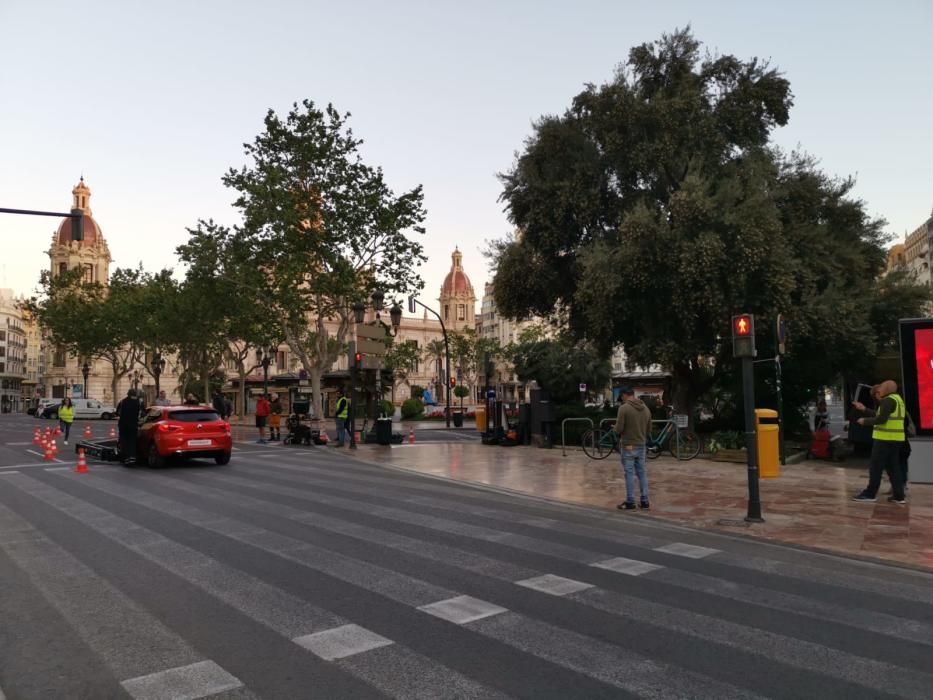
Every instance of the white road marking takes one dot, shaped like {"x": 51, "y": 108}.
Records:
{"x": 37, "y": 454}
{"x": 12, "y": 471}
{"x": 182, "y": 683}
{"x": 690, "y": 551}
{"x": 462, "y": 609}
{"x": 629, "y": 567}
{"x": 340, "y": 642}
{"x": 554, "y": 585}
{"x": 58, "y": 469}
{"x": 17, "y": 444}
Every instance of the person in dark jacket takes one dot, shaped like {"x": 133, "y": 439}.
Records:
{"x": 128, "y": 426}
{"x": 219, "y": 404}
{"x": 633, "y": 426}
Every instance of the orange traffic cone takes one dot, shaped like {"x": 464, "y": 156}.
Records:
{"x": 411, "y": 436}
{"x": 37, "y": 437}
{"x": 324, "y": 437}
{"x": 54, "y": 446}
{"x": 49, "y": 456}
{"x": 87, "y": 431}
{"x": 57, "y": 431}
{"x": 81, "y": 467}
{"x": 113, "y": 432}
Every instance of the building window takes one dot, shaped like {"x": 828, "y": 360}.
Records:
{"x": 446, "y": 312}
{"x": 62, "y": 268}
{"x": 461, "y": 312}
{"x": 2, "y": 335}
{"x": 280, "y": 361}
{"x": 58, "y": 360}
{"x": 88, "y": 272}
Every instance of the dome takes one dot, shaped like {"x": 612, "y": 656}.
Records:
{"x": 456, "y": 283}
{"x": 92, "y": 234}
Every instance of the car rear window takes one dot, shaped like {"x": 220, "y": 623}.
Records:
{"x": 204, "y": 416}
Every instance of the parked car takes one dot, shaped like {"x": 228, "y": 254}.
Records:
{"x": 91, "y": 408}
{"x": 183, "y": 431}
{"x": 49, "y": 411}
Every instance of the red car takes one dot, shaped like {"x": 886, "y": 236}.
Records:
{"x": 183, "y": 431}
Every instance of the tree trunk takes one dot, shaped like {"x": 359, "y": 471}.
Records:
{"x": 317, "y": 396}
{"x": 241, "y": 370}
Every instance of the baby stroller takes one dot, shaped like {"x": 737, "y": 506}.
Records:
{"x": 300, "y": 433}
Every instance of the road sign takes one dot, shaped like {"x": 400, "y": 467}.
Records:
{"x": 376, "y": 332}
{"x": 370, "y": 347}
{"x": 582, "y": 388}
{"x": 743, "y": 335}
{"x": 491, "y": 394}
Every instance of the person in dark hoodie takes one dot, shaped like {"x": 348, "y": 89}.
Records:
{"x": 632, "y": 426}
{"x": 128, "y": 426}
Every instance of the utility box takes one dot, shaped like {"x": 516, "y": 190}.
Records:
{"x": 481, "y": 419}
{"x": 767, "y": 434}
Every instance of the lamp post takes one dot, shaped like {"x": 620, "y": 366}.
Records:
{"x": 85, "y": 370}
{"x": 136, "y": 376}
{"x": 158, "y": 366}
{"x": 412, "y": 301}
{"x": 264, "y": 358}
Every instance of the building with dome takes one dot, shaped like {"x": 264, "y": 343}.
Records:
{"x": 457, "y": 299}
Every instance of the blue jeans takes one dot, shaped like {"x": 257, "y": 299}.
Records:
{"x": 633, "y": 460}
{"x": 341, "y": 431}
{"x": 65, "y": 428}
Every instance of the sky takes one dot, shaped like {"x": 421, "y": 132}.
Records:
{"x": 153, "y": 101}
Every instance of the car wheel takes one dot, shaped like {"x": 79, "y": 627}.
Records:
{"x": 222, "y": 459}
{"x": 154, "y": 458}
{"x": 105, "y": 416}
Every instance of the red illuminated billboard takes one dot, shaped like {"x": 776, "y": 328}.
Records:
{"x": 916, "y": 336}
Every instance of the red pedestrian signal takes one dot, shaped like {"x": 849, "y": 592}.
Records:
{"x": 358, "y": 360}
{"x": 743, "y": 335}
{"x": 453, "y": 382}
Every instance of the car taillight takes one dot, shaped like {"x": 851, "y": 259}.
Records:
{"x": 168, "y": 428}
{"x": 226, "y": 427}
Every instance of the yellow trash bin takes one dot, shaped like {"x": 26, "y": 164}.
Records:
{"x": 766, "y": 433}
{"x": 481, "y": 419}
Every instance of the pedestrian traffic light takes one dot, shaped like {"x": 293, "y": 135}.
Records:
{"x": 358, "y": 360}
{"x": 453, "y": 382}
{"x": 743, "y": 335}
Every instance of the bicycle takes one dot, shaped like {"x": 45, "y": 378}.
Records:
{"x": 681, "y": 443}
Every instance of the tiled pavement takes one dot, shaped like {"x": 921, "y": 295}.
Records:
{"x": 810, "y": 504}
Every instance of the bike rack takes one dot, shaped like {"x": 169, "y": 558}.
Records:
{"x": 563, "y": 444}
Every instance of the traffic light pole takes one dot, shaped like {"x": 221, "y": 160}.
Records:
{"x": 751, "y": 443}
{"x": 411, "y": 309}
{"x": 76, "y": 215}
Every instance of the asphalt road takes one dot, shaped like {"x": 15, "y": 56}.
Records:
{"x": 299, "y": 573}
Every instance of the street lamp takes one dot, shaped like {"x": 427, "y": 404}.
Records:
{"x": 136, "y": 376}
{"x": 85, "y": 370}
{"x": 264, "y": 358}
{"x": 158, "y": 366}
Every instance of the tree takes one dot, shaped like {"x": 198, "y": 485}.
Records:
{"x": 559, "y": 366}
{"x": 655, "y": 207}
{"x": 321, "y": 229}
{"x": 471, "y": 355}
{"x": 400, "y": 360}
{"x": 435, "y": 352}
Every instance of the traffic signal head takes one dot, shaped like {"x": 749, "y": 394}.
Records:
{"x": 453, "y": 382}
{"x": 77, "y": 225}
{"x": 358, "y": 360}
{"x": 743, "y": 335}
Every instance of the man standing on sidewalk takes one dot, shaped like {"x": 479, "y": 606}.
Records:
{"x": 632, "y": 425}
{"x": 262, "y": 415}
{"x": 341, "y": 415}
{"x": 887, "y": 441}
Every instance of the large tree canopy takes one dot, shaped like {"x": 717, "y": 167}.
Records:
{"x": 655, "y": 207}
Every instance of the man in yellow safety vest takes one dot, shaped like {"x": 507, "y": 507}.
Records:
{"x": 887, "y": 440}
{"x": 342, "y": 417}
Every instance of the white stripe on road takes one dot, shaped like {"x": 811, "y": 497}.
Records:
{"x": 629, "y": 567}
{"x": 340, "y": 642}
{"x": 18, "y": 444}
{"x": 690, "y": 551}
{"x": 183, "y": 683}
{"x": 462, "y": 609}
{"x": 554, "y": 585}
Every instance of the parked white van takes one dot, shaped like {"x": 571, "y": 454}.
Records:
{"x": 91, "y": 408}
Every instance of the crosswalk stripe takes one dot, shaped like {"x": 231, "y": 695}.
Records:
{"x": 554, "y": 585}
{"x": 690, "y": 551}
{"x": 629, "y": 567}
{"x": 193, "y": 681}
{"x": 140, "y": 645}
{"x": 254, "y": 598}
{"x": 462, "y": 609}
{"x": 340, "y": 642}
{"x": 869, "y": 620}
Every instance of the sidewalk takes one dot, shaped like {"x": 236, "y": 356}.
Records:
{"x": 809, "y": 505}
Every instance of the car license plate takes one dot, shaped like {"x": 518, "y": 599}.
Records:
{"x": 198, "y": 443}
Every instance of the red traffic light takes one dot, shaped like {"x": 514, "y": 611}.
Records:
{"x": 453, "y": 382}
{"x": 742, "y": 325}
{"x": 358, "y": 359}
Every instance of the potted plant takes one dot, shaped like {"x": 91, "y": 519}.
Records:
{"x": 728, "y": 446}
{"x": 461, "y": 392}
